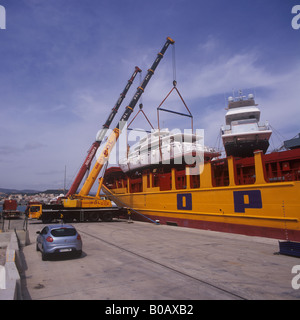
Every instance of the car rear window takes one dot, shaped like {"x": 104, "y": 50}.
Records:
{"x": 63, "y": 232}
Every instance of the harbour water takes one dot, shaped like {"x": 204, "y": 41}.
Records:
{"x": 22, "y": 208}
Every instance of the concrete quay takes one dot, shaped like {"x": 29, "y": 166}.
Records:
{"x": 143, "y": 261}
{"x": 11, "y": 266}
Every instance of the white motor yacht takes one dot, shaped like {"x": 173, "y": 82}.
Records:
{"x": 243, "y": 132}
{"x": 165, "y": 147}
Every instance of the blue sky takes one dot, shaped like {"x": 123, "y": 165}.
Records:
{"x": 63, "y": 64}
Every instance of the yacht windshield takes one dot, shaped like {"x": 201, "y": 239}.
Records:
{"x": 246, "y": 125}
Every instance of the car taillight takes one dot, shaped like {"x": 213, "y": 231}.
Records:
{"x": 78, "y": 237}
{"x": 49, "y": 239}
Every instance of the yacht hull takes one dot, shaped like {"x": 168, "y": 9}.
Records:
{"x": 245, "y": 148}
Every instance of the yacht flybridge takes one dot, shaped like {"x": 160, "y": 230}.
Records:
{"x": 243, "y": 132}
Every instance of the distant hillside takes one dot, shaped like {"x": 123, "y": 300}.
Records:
{"x": 55, "y": 191}
{"x": 9, "y": 191}
{"x": 29, "y": 191}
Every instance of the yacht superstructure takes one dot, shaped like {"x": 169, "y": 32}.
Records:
{"x": 243, "y": 132}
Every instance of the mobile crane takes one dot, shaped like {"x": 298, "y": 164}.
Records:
{"x": 82, "y": 196}
{"x": 47, "y": 213}
{"x": 103, "y": 158}
{"x": 77, "y": 204}
{"x": 94, "y": 147}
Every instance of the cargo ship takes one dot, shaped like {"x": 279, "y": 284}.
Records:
{"x": 248, "y": 191}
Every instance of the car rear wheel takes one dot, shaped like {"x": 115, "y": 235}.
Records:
{"x": 44, "y": 256}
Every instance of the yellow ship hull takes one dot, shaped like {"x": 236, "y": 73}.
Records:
{"x": 260, "y": 209}
{"x": 263, "y": 210}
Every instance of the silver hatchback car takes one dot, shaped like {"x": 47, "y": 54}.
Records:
{"x": 58, "y": 238}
